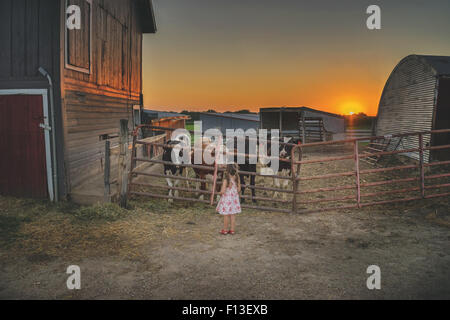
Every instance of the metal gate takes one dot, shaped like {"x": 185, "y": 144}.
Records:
{"x": 354, "y": 186}
{"x": 141, "y": 188}
{"x": 423, "y": 177}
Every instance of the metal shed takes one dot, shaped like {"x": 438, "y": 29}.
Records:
{"x": 223, "y": 121}
{"x": 309, "y": 124}
{"x": 416, "y": 97}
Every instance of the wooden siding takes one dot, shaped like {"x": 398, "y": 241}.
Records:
{"x": 29, "y": 33}
{"x": 95, "y": 102}
{"x": 116, "y": 50}
{"x": 30, "y": 38}
{"x": 87, "y": 105}
{"x": 407, "y": 103}
{"x": 89, "y": 117}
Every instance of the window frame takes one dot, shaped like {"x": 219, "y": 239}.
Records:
{"x": 66, "y": 43}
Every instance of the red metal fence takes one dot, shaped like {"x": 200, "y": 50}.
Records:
{"x": 299, "y": 198}
{"x": 135, "y": 187}
{"x": 418, "y": 182}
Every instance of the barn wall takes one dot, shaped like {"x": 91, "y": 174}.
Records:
{"x": 90, "y": 117}
{"x": 29, "y": 33}
{"x": 407, "y": 103}
{"x": 270, "y": 120}
{"x": 289, "y": 120}
{"x": 332, "y": 124}
{"x": 95, "y": 102}
{"x": 30, "y": 38}
{"x": 116, "y": 50}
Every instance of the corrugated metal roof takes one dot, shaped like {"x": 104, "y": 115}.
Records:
{"x": 300, "y": 109}
{"x": 408, "y": 100}
{"x": 240, "y": 116}
{"x": 147, "y": 16}
{"x": 439, "y": 64}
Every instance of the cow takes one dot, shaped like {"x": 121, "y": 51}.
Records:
{"x": 247, "y": 166}
{"x": 204, "y": 173}
{"x": 172, "y": 169}
{"x": 284, "y": 167}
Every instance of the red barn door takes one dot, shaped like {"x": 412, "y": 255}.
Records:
{"x": 23, "y": 169}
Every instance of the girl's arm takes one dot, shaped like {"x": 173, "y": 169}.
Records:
{"x": 238, "y": 182}
{"x": 224, "y": 186}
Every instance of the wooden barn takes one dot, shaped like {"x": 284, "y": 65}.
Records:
{"x": 416, "y": 97}
{"x": 63, "y": 92}
{"x": 307, "y": 123}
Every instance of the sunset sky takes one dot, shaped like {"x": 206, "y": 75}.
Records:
{"x": 247, "y": 54}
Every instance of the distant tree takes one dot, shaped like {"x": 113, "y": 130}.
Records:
{"x": 359, "y": 120}
{"x": 211, "y": 111}
{"x": 243, "y": 111}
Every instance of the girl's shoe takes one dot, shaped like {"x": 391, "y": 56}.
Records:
{"x": 231, "y": 232}
{"x": 223, "y": 231}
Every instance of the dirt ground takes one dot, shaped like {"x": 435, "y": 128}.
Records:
{"x": 157, "y": 250}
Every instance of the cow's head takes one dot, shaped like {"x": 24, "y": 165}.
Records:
{"x": 170, "y": 144}
{"x": 286, "y": 149}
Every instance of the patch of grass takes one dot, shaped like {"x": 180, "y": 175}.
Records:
{"x": 10, "y": 226}
{"x": 189, "y": 126}
{"x": 105, "y": 211}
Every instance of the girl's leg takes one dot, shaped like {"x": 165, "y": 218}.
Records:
{"x": 233, "y": 221}
{"x": 225, "y": 222}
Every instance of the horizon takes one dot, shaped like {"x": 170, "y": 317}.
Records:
{"x": 247, "y": 111}
{"x": 283, "y": 53}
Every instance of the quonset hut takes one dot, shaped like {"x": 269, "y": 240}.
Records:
{"x": 416, "y": 97}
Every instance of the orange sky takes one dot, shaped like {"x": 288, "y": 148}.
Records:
{"x": 282, "y": 53}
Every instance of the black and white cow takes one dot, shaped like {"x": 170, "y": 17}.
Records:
{"x": 172, "y": 169}
{"x": 284, "y": 167}
{"x": 246, "y": 166}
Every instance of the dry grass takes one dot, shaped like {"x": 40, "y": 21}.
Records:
{"x": 42, "y": 231}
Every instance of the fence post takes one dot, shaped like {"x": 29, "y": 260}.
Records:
{"x": 294, "y": 179}
{"x": 302, "y": 115}
{"x": 107, "y": 171}
{"x": 123, "y": 176}
{"x": 422, "y": 174}
{"x": 358, "y": 183}
{"x": 217, "y": 149}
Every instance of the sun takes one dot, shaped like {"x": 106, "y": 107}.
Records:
{"x": 350, "y": 107}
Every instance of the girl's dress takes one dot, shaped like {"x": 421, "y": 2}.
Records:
{"x": 229, "y": 202}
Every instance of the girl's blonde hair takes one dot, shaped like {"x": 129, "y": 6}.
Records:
{"x": 232, "y": 170}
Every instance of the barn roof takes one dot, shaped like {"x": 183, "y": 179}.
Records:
{"x": 239, "y": 116}
{"x": 300, "y": 109}
{"x": 439, "y": 64}
{"x": 147, "y": 16}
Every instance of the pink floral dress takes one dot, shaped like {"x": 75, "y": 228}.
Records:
{"x": 229, "y": 202}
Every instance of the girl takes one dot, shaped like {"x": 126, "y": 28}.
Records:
{"x": 229, "y": 203}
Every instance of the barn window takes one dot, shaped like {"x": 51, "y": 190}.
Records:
{"x": 78, "y": 42}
